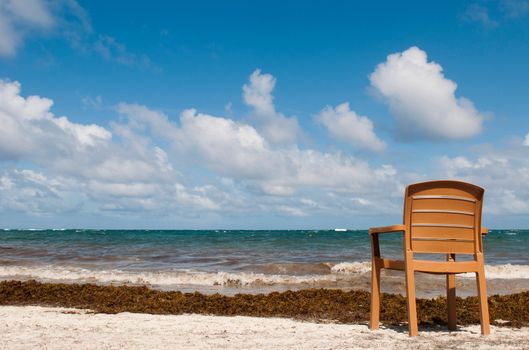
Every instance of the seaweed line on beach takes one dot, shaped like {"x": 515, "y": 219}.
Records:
{"x": 313, "y": 304}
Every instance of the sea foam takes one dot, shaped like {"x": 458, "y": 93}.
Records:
{"x": 341, "y": 274}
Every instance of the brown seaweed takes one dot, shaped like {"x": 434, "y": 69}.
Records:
{"x": 312, "y": 304}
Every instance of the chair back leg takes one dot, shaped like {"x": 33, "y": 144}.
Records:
{"x": 451, "y": 296}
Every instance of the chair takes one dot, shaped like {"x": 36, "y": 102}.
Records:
{"x": 440, "y": 217}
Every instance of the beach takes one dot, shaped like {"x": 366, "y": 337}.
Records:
{"x": 62, "y": 328}
{"x": 264, "y": 175}
{"x": 240, "y": 289}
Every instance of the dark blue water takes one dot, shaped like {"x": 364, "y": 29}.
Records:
{"x": 208, "y": 249}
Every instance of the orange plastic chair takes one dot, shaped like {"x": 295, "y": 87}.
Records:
{"x": 440, "y": 217}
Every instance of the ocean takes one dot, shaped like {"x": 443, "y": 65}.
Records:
{"x": 239, "y": 261}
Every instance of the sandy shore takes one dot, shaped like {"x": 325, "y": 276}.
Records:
{"x": 60, "y": 328}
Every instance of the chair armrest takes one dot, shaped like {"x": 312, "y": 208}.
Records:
{"x": 387, "y": 229}
{"x": 484, "y": 231}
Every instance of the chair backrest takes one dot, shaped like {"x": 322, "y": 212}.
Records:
{"x": 443, "y": 217}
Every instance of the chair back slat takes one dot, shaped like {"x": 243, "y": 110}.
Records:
{"x": 443, "y": 217}
{"x": 440, "y": 232}
{"x": 442, "y": 246}
{"x": 451, "y": 219}
{"x": 436, "y": 204}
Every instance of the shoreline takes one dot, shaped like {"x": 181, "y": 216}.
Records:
{"x": 310, "y": 305}
{"x": 501, "y": 279}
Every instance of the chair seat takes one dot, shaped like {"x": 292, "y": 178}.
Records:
{"x": 435, "y": 267}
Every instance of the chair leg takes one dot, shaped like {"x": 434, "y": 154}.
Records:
{"x": 451, "y": 296}
{"x": 451, "y": 299}
{"x": 483, "y": 303}
{"x": 375, "y": 296}
{"x": 410, "y": 296}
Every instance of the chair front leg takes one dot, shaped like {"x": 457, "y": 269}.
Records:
{"x": 375, "y": 283}
{"x": 482, "y": 295}
{"x": 410, "y": 295}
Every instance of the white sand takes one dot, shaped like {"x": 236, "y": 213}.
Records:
{"x": 58, "y": 328}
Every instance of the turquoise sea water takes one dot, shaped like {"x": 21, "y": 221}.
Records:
{"x": 221, "y": 260}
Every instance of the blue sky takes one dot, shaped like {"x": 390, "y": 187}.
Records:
{"x": 240, "y": 114}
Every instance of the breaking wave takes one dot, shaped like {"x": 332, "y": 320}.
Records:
{"x": 341, "y": 274}
{"x": 505, "y": 271}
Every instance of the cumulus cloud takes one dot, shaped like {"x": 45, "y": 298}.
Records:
{"x": 151, "y": 164}
{"x": 29, "y": 128}
{"x": 269, "y": 170}
{"x": 197, "y": 197}
{"x": 122, "y": 170}
{"x": 422, "y": 100}
{"x": 233, "y": 148}
{"x": 526, "y": 140}
{"x": 141, "y": 116}
{"x": 238, "y": 151}
{"x": 37, "y": 193}
{"x": 345, "y": 124}
{"x": 292, "y": 211}
{"x": 20, "y": 17}
{"x": 276, "y": 127}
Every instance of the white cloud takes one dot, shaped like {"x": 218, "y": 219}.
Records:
{"x": 292, "y": 211}
{"x": 275, "y": 127}
{"x": 258, "y": 93}
{"x": 236, "y": 150}
{"x": 129, "y": 189}
{"x": 200, "y": 163}
{"x": 504, "y": 175}
{"x": 197, "y": 198}
{"x": 29, "y": 128}
{"x": 348, "y": 126}
{"x": 85, "y": 135}
{"x": 32, "y": 11}
{"x": 274, "y": 189}
{"x": 120, "y": 171}
{"x": 146, "y": 163}
{"x": 34, "y": 192}
{"x": 17, "y": 18}
{"x": 140, "y": 116}
{"x": 422, "y": 100}
{"x": 232, "y": 148}
{"x": 21, "y": 19}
